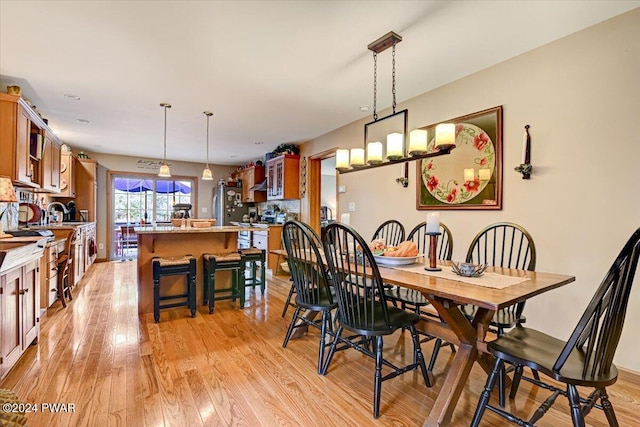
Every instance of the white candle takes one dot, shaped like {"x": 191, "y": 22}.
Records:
{"x": 394, "y": 146}
{"x": 342, "y": 158}
{"x": 345, "y": 218}
{"x": 357, "y": 157}
{"x": 484, "y": 174}
{"x": 524, "y": 148}
{"x": 374, "y": 152}
{"x": 445, "y": 135}
{"x": 469, "y": 175}
{"x": 417, "y": 141}
{"x": 433, "y": 222}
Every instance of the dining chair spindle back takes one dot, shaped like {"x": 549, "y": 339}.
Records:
{"x": 585, "y": 359}
{"x": 362, "y": 307}
{"x": 311, "y": 281}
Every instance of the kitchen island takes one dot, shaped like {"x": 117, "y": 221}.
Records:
{"x": 173, "y": 241}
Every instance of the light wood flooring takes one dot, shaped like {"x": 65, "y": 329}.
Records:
{"x": 229, "y": 368}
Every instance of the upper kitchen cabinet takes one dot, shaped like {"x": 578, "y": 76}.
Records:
{"x": 50, "y": 164}
{"x": 30, "y": 151}
{"x": 251, "y": 177}
{"x": 283, "y": 177}
{"x": 86, "y": 184}
{"x": 67, "y": 175}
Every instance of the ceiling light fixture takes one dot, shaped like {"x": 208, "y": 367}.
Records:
{"x": 73, "y": 97}
{"x": 165, "y": 172}
{"x": 83, "y": 121}
{"x": 395, "y": 127}
{"x": 206, "y": 173}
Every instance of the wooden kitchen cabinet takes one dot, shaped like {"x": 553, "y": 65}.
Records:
{"x": 49, "y": 273}
{"x": 19, "y": 312}
{"x": 251, "y": 176}
{"x": 30, "y": 150}
{"x": 50, "y": 164}
{"x": 269, "y": 239}
{"x": 67, "y": 175}
{"x": 283, "y": 177}
{"x": 86, "y": 186}
{"x": 17, "y": 123}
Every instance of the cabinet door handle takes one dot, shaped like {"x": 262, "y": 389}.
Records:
{"x": 23, "y": 291}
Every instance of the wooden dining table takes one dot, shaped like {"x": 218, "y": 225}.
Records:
{"x": 446, "y": 295}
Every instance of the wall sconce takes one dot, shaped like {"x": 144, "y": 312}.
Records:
{"x": 525, "y": 167}
{"x": 394, "y": 126}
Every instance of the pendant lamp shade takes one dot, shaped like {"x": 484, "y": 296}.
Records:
{"x": 206, "y": 173}
{"x": 165, "y": 171}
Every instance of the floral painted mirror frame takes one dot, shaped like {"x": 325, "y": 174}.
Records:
{"x": 471, "y": 176}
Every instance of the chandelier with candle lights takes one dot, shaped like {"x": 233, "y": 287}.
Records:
{"x": 375, "y": 153}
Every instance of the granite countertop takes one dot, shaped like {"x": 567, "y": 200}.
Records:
{"x": 16, "y": 251}
{"x": 62, "y": 226}
{"x": 177, "y": 230}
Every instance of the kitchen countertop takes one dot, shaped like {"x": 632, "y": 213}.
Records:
{"x": 16, "y": 251}
{"x": 177, "y": 230}
{"x": 62, "y": 226}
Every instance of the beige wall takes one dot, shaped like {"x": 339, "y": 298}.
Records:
{"x": 581, "y": 96}
{"x": 145, "y": 165}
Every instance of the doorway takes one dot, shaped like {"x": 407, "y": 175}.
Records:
{"x": 323, "y": 190}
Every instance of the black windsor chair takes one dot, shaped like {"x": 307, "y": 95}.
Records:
{"x": 410, "y": 299}
{"x": 362, "y": 307}
{"x": 585, "y": 359}
{"x": 391, "y": 231}
{"x": 313, "y": 286}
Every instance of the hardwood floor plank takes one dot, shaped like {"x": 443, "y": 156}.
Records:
{"x": 229, "y": 368}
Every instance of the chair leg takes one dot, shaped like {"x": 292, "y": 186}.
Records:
{"x": 501, "y": 386}
{"x": 515, "y": 383}
{"x": 241, "y": 284}
{"x": 607, "y": 408}
{"x": 156, "y": 299}
{"x": 291, "y": 326}
{"x": 323, "y": 334}
{"x": 574, "y": 403}
{"x": 332, "y": 350}
{"x": 419, "y": 356}
{"x": 288, "y": 302}
{"x": 377, "y": 383}
{"x": 263, "y": 273}
{"x": 486, "y": 393}
{"x": 434, "y": 355}
{"x": 61, "y": 291}
{"x": 212, "y": 291}
{"x": 192, "y": 287}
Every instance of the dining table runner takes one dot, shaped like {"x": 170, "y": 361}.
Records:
{"x": 488, "y": 279}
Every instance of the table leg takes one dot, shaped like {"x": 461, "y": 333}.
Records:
{"x": 467, "y": 354}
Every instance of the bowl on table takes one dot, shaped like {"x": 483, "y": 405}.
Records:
{"x": 468, "y": 269}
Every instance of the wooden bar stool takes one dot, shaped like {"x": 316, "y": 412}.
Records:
{"x": 213, "y": 263}
{"x": 253, "y": 256}
{"x": 172, "y": 266}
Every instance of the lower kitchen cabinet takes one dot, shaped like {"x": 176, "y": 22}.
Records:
{"x": 19, "y": 312}
{"x": 268, "y": 239}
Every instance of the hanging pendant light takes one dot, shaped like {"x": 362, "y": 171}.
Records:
{"x": 206, "y": 173}
{"x": 165, "y": 172}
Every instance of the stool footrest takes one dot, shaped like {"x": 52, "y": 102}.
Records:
{"x": 173, "y": 297}
{"x": 175, "y": 304}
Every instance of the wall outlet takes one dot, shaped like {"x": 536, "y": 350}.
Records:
{"x": 352, "y": 206}
{"x": 100, "y": 245}
{"x": 205, "y": 210}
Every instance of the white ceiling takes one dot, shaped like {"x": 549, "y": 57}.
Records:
{"x": 271, "y": 71}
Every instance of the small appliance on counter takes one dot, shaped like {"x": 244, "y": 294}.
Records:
{"x": 182, "y": 210}
{"x": 269, "y": 216}
{"x": 70, "y": 215}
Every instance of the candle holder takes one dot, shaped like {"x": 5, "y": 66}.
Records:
{"x": 433, "y": 248}
{"x": 404, "y": 180}
{"x": 526, "y": 168}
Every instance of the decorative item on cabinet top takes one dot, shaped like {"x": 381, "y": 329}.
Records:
{"x": 303, "y": 177}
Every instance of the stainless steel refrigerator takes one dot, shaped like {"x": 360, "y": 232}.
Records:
{"x": 227, "y": 204}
